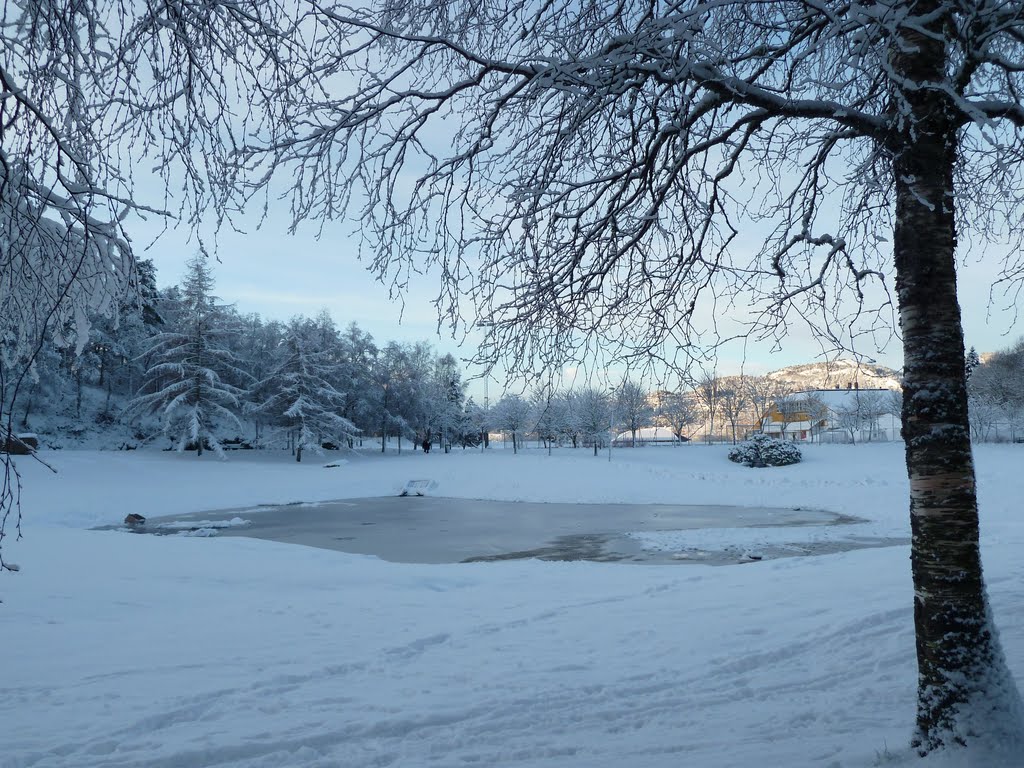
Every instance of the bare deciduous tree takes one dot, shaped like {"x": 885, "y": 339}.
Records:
{"x": 872, "y": 407}
{"x": 996, "y": 391}
{"x": 734, "y": 401}
{"x": 551, "y": 413}
{"x": 678, "y": 412}
{"x": 763, "y": 392}
{"x": 593, "y": 413}
{"x": 603, "y": 159}
{"x": 985, "y": 414}
{"x": 707, "y": 390}
{"x": 633, "y": 407}
{"x": 512, "y": 415}
{"x": 591, "y": 165}
{"x": 798, "y": 412}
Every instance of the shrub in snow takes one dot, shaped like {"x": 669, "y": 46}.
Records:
{"x": 765, "y": 451}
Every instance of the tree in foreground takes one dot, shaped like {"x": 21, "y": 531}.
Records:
{"x": 92, "y": 93}
{"x": 191, "y": 382}
{"x": 594, "y": 164}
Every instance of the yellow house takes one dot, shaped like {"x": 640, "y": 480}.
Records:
{"x": 834, "y": 415}
{"x": 798, "y": 417}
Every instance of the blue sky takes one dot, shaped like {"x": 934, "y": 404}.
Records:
{"x": 280, "y": 275}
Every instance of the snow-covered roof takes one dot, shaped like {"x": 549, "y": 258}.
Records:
{"x": 836, "y": 398}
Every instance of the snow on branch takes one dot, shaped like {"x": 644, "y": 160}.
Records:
{"x": 98, "y": 99}
{"x": 583, "y": 172}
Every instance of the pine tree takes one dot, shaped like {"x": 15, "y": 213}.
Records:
{"x": 302, "y": 397}
{"x": 357, "y": 352}
{"x": 447, "y": 393}
{"x": 391, "y": 393}
{"x": 190, "y": 382}
{"x": 971, "y": 361}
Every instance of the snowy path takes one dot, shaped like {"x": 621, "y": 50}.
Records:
{"x": 502, "y": 664}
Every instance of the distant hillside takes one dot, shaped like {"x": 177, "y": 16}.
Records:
{"x": 838, "y": 373}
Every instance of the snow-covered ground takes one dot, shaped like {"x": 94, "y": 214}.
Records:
{"x": 178, "y": 652}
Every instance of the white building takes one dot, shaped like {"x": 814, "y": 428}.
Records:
{"x": 647, "y": 436}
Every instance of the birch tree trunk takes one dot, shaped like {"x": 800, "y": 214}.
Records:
{"x": 964, "y": 687}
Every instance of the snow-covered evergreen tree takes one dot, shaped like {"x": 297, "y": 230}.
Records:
{"x": 971, "y": 361}
{"x": 357, "y": 353}
{"x": 301, "y": 396}
{"x": 390, "y": 393}
{"x": 259, "y": 349}
{"x": 447, "y": 393}
{"x": 191, "y": 382}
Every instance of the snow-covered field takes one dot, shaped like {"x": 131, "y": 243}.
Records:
{"x": 122, "y": 650}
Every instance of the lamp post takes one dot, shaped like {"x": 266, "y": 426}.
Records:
{"x": 611, "y": 417}
{"x": 486, "y": 425}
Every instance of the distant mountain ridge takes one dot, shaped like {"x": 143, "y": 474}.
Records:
{"x": 839, "y": 373}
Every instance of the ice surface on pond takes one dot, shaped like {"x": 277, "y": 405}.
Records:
{"x": 418, "y": 529}
{"x": 191, "y": 525}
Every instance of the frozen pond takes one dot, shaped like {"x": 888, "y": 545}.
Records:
{"x": 417, "y": 529}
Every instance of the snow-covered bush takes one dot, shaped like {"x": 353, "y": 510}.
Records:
{"x": 765, "y": 451}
